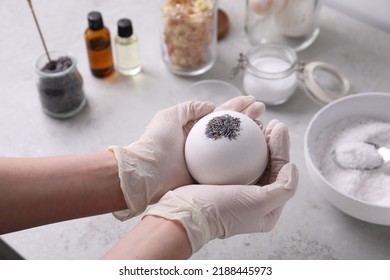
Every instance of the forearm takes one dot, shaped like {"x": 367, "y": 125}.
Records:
{"x": 153, "y": 238}
{"x": 38, "y": 191}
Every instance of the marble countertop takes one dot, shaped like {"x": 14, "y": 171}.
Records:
{"x": 119, "y": 108}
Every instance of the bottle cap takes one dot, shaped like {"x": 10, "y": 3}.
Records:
{"x": 125, "y": 28}
{"x": 95, "y": 21}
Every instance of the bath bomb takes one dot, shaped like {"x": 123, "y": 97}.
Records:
{"x": 226, "y": 148}
{"x": 297, "y": 18}
{"x": 266, "y": 7}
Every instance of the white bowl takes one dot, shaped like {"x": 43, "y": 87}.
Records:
{"x": 372, "y": 104}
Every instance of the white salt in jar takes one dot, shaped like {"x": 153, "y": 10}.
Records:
{"x": 272, "y": 74}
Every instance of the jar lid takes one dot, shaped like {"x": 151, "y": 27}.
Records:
{"x": 324, "y": 82}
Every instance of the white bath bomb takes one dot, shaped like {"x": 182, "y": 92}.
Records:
{"x": 226, "y": 148}
{"x": 266, "y": 7}
{"x": 297, "y": 18}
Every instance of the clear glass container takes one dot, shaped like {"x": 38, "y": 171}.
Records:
{"x": 294, "y": 23}
{"x": 60, "y": 84}
{"x": 189, "y": 35}
{"x": 272, "y": 73}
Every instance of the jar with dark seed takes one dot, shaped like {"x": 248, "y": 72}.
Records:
{"x": 60, "y": 84}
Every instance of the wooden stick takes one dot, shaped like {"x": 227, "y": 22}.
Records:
{"x": 39, "y": 29}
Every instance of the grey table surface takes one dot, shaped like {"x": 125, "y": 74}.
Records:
{"x": 119, "y": 109}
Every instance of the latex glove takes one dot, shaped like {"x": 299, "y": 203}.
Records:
{"x": 155, "y": 164}
{"x": 208, "y": 212}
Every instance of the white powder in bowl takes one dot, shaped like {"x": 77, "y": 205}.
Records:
{"x": 371, "y": 186}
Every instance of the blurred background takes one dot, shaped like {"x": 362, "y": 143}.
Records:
{"x": 374, "y": 12}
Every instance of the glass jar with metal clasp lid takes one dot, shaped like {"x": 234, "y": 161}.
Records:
{"x": 272, "y": 73}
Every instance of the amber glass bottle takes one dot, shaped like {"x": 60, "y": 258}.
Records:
{"x": 98, "y": 40}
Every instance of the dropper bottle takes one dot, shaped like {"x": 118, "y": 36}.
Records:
{"x": 126, "y": 49}
{"x": 98, "y": 40}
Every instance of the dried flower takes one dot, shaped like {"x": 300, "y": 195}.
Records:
{"x": 223, "y": 126}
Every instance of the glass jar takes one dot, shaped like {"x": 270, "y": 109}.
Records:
{"x": 60, "y": 84}
{"x": 272, "y": 73}
{"x": 294, "y": 23}
{"x": 189, "y": 35}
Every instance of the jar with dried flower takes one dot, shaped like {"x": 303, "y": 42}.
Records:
{"x": 60, "y": 84}
{"x": 189, "y": 35}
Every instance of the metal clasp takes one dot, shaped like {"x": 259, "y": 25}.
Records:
{"x": 300, "y": 69}
{"x": 240, "y": 66}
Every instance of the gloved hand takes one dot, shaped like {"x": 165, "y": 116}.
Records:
{"x": 155, "y": 164}
{"x": 208, "y": 211}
